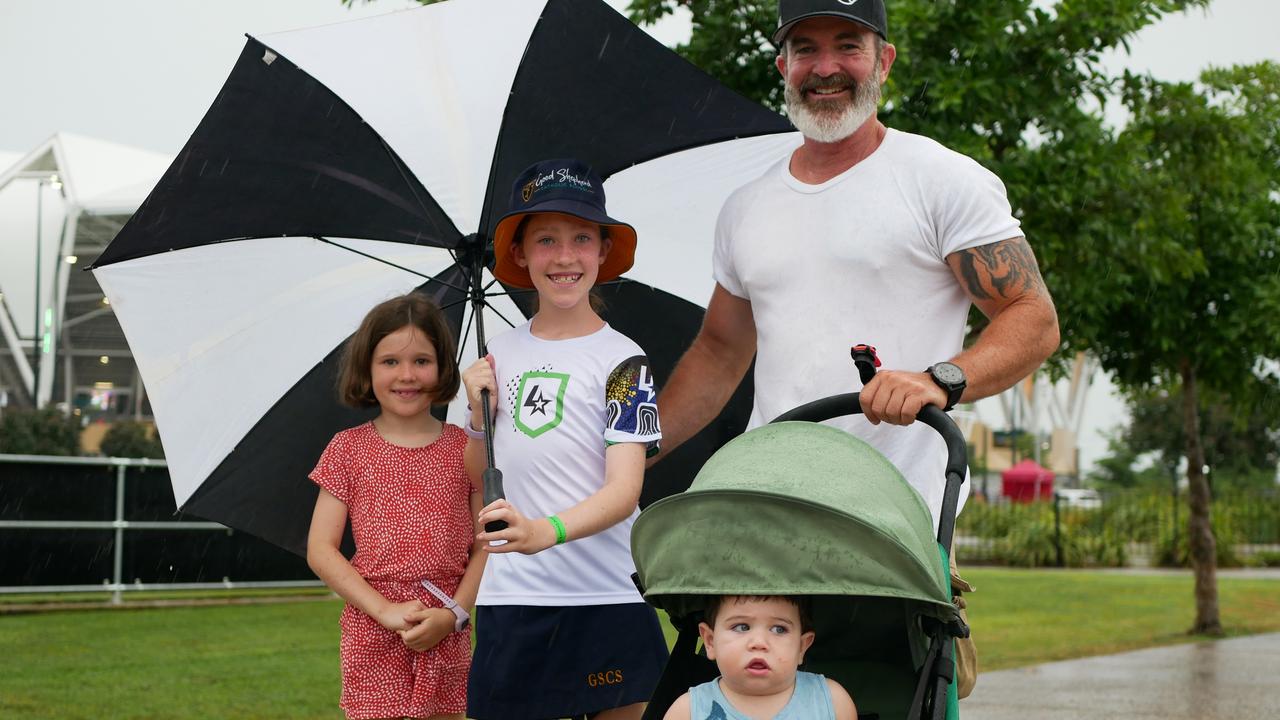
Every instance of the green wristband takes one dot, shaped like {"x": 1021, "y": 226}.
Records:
{"x": 561, "y": 534}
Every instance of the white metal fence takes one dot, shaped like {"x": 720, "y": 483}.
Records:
{"x": 21, "y": 477}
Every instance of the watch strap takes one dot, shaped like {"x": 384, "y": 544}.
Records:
{"x": 470, "y": 431}
{"x": 461, "y": 617}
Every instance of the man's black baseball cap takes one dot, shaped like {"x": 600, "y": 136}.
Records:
{"x": 869, "y": 13}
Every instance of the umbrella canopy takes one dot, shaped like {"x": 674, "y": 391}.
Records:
{"x": 345, "y": 164}
{"x": 792, "y": 508}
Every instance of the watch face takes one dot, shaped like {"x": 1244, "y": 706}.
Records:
{"x": 948, "y": 373}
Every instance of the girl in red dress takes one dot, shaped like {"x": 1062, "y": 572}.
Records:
{"x": 411, "y": 585}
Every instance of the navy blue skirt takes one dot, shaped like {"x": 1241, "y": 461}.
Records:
{"x": 542, "y": 663}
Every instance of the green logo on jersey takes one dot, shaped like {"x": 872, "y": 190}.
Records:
{"x": 540, "y": 402}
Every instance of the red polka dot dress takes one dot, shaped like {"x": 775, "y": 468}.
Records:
{"x": 410, "y": 511}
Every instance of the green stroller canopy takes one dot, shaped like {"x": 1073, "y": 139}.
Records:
{"x": 792, "y": 508}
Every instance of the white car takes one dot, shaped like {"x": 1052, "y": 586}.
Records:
{"x": 1084, "y": 498}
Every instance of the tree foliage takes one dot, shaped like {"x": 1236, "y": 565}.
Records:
{"x": 1241, "y": 444}
{"x": 1192, "y": 271}
{"x": 131, "y": 439}
{"x": 1188, "y": 289}
{"x": 1118, "y": 469}
{"x": 38, "y": 432}
{"x": 1012, "y": 84}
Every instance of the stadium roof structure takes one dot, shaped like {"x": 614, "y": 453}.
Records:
{"x": 60, "y": 204}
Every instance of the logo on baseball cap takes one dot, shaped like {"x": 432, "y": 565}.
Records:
{"x": 868, "y": 13}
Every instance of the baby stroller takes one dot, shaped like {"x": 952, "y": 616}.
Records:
{"x": 799, "y": 508}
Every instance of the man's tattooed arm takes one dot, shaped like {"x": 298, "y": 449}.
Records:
{"x": 1004, "y": 281}
{"x": 998, "y": 273}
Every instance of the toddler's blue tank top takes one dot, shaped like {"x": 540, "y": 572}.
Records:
{"x": 811, "y": 700}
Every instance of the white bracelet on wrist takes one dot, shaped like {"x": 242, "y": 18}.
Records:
{"x": 472, "y": 432}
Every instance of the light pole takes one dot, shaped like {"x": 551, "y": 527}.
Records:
{"x": 37, "y": 337}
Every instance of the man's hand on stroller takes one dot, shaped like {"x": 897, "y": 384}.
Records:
{"x": 896, "y": 396}
{"x": 523, "y": 535}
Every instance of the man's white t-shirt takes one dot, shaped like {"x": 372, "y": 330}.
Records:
{"x": 860, "y": 258}
{"x": 560, "y": 404}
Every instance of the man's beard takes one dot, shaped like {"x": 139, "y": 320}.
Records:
{"x": 829, "y": 121}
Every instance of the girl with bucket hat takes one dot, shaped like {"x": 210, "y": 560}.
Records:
{"x": 561, "y": 629}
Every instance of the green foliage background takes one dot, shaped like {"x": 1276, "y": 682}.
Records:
{"x": 1241, "y": 445}
{"x": 38, "y": 432}
{"x": 131, "y": 439}
{"x": 1141, "y": 520}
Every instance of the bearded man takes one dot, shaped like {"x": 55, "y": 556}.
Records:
{"x": 863, "y": 235}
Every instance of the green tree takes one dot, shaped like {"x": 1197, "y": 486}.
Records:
{"x": 1007, "y": 82}
{"x": 1241, "y": 439}
{"x": 1187, "y": 286}
{"x": 38, "y": 432}
{"x": 131, "y": 439}
{"x": 962, "y": 67}
{"x": 1117, "y": 468}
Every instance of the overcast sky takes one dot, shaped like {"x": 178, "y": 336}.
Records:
{"x": 142, "y": 72}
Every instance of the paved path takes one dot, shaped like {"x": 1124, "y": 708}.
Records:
{"x": 1211, "y": 680}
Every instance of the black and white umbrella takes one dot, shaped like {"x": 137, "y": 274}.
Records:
{"x": 344, "y": 164}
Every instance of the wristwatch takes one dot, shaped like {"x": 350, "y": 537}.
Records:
{"x": 951, "y": 378}
{"x": 462, "y": 620}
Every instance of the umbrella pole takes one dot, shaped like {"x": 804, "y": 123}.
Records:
{"x": 492, "y": 476}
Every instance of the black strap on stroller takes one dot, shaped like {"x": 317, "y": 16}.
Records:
{"x": 687, "y": 668}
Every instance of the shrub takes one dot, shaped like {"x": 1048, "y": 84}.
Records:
{"x": 131, "y": 439}
{"x": 1034, "y": 544}
{"x": 1029, "y": 545}
{"x": 994, "y": 520}
{"x": 1136, "y": 515}
{"x": 1106, "y": 549}
{"x": 1023, "y": 534}
{"x": 1266, "y": 558}
{"x": 1173, "y": 550}
{"x": 38, "y": 432}
{"x": 1255, "y": 513}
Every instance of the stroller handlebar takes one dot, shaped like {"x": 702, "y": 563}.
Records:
{"x": 957, "y": 452}
{"x": 847, "y": 404}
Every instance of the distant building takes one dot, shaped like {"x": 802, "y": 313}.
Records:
{"x": 60, "y": 343}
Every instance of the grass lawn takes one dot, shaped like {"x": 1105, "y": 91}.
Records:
{"x": 1024, "y": 617}
{"x": 281, "y": 660}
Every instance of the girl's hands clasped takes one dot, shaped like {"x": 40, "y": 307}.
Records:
{"x": 523, "y": 535}
{"x": 430, "y": 626}
{"x": 394, "y": 616}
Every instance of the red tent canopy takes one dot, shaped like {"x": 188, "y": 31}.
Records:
{"x": 1027, "y": 482}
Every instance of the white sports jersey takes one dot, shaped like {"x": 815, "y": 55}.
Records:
{"x": 560, "y": 403}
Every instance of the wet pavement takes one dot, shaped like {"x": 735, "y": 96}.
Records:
{"x": 1211, "y": 680}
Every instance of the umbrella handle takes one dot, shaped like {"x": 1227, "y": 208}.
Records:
{"x": 493, "y": 491}
{"x": 492, "y": 476}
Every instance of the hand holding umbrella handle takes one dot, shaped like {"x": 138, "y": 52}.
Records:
{"x": 492, "y": 476}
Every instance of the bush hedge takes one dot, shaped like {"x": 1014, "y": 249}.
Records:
{"x": 1024, "y": 534}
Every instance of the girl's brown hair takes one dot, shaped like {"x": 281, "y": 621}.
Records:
{"x": 414, "y": 309}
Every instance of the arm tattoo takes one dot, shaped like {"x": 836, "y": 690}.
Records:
{"x": 1010, "y": 265}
